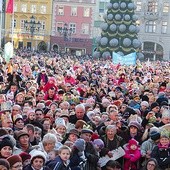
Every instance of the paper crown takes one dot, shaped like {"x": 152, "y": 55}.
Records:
{"x": 6, "y": 106}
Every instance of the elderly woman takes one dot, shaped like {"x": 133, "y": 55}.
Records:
{"x": 111, "y": 140}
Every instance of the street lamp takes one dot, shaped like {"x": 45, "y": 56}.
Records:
{"x": 65, "y": 31}
{"x": 32, "y": 26}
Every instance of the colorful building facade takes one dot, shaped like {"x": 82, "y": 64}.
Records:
{"x": 72, "y": 26}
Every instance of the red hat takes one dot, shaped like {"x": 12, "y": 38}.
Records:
{"x": 133, "y": 142}
{"x": 14, "y": 159}
{"x": 24, "y": 156}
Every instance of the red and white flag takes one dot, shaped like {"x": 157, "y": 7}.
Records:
{"x": 10, "y": 7}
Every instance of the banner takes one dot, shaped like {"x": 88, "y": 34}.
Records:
{"x": 0, "y": 5}
{"x": 8, "y": 51}
{"x": 10, "y": 7}
{"x": 129, "y": 59}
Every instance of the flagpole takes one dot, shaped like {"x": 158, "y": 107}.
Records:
{"x": 12, "y": 31}
{"x": 0, "y": 28}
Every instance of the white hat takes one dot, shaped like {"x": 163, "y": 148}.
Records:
{"x": 144, "y": 103}
{"x": 166, "y": 113}
{"x": 60, "y": 122}
{"x": 37, "y": 153}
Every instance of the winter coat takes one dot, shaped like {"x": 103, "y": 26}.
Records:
{"x": 91, "y": 156}
{"x": 29, "y": 167}
{"x": 131, "y": 158}
{"x": 162, "y": 155}
{"x": 57, "y": 164}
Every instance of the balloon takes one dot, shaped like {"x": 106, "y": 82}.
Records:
{"x": 109, "y": 6}
{"x": 106, "y": 54}
{"x": 127, "y": 17}
{"x": 96, "y": 54}
{"x": 98, "y": 40}
{"x": 131, "y": 6}
{"x": 113, "y": 42}
{"x": 136, "y": 43}
{"x": 104, "y": 26}
{"x": 126, "y": 42}
{"x": 123, "y": 5}
{"x": 118, "y": 17}
{"x": 122, "y": 27}
{"x": 110, "y": 17}
{"x": 115, "y": 5}
{"x": 134, "y": 17}
{"x": 120, "y": 53}
{"x": 140, "y": 56}
{"x": 105, "y": 16}
{"x": 104, "y": 41}
{"x": 132, "y": 28}
{"x": 113, "y": 27}
{"x": 137, "y": 29}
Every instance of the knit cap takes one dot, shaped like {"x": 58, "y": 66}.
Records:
{"x": 36, "y": 153}
{"x": 80, "y": 144}
{"x": 6, "y": 142}
{"x": 14, "y": 159}
{"x": 5, "y": 163}
{"x": 133, "y": 142}
{"x": 99, "y": 143}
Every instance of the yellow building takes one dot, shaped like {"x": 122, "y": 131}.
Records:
{"x": 30, "y": 37}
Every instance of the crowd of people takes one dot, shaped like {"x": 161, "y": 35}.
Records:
{"x": 80, "y": 113}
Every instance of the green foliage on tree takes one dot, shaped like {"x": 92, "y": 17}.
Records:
{"x": 119, "y": 30}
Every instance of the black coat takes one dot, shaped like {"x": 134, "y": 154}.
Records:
{"x": 73, "y": 119}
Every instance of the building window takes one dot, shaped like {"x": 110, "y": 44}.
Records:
{"x": 166, "y": 7}
{"x": 15, "y": 23}
{"x": 86, "y": 12}
{"x": 24, "y": 7}
{"x": 150, "y": 26}
{"x": 59, "y": 25}
{"x": 73, "y": 11}
{"x": 15, "y": 7}
{"x": 60, "y": 10}
{"x": 22, "y": 24}
{"x": 33, "y": 8}
{"x": 138, "y": 6}
{"x": 152, "y": 6}
{"x": 85, "y": 28}
{"x": 164, "y": 27}
{"x": 72, "y": 26}
{"x": 42, "y": 25}
{"x": 101, "y": 7}
{"x": 43, "y": 9}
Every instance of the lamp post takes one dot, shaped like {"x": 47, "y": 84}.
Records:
{"x": 65, "y": 31}
{"x": 32, "y": 26}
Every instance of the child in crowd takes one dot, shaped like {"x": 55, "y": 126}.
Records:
{"x": 61, "y": 161}
{"x": 132, "y": 155}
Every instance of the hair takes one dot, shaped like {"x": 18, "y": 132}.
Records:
{"x": 113, "y": 164}
{"x": 37, "y": 129}
{"x": 149, "y": 160}
{"x": 30, "y": 127}
{"x": 80, "y": 106}
{"x": 64, "y": 147}
{"x": 39, "y": 110}
{"x": 112, "y": 127}
{"x": 49, "y": 138}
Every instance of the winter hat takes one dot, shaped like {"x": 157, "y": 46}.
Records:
{"x": 60, "y": 122}
{"x": 99, "y": 143}
{"x": 133, "y": 142}
{"x": 6, "y": 142}
{"x": 14, "y": 159}
{"x": 87, "y": 129}
{"x": 21, "y": 133}
{"x": 17, "y": 117}
{"x": 24, "y": 156}
{"x": 166, "y": 113}
{"x": 80, "y": 144}
{"x": 135, "y": 124}
{"x": 144, "y": 103}
{"x": 5, "y": 163}
{"x": 36, "y": 153}
{"x": 154, "y": 104}
{"x": 74, "y": 131}
{"x": 164, "y": 103}
{"x": 154, "y": 135}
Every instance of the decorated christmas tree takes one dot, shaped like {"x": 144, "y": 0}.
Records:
{"x": 119, "y": 30}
